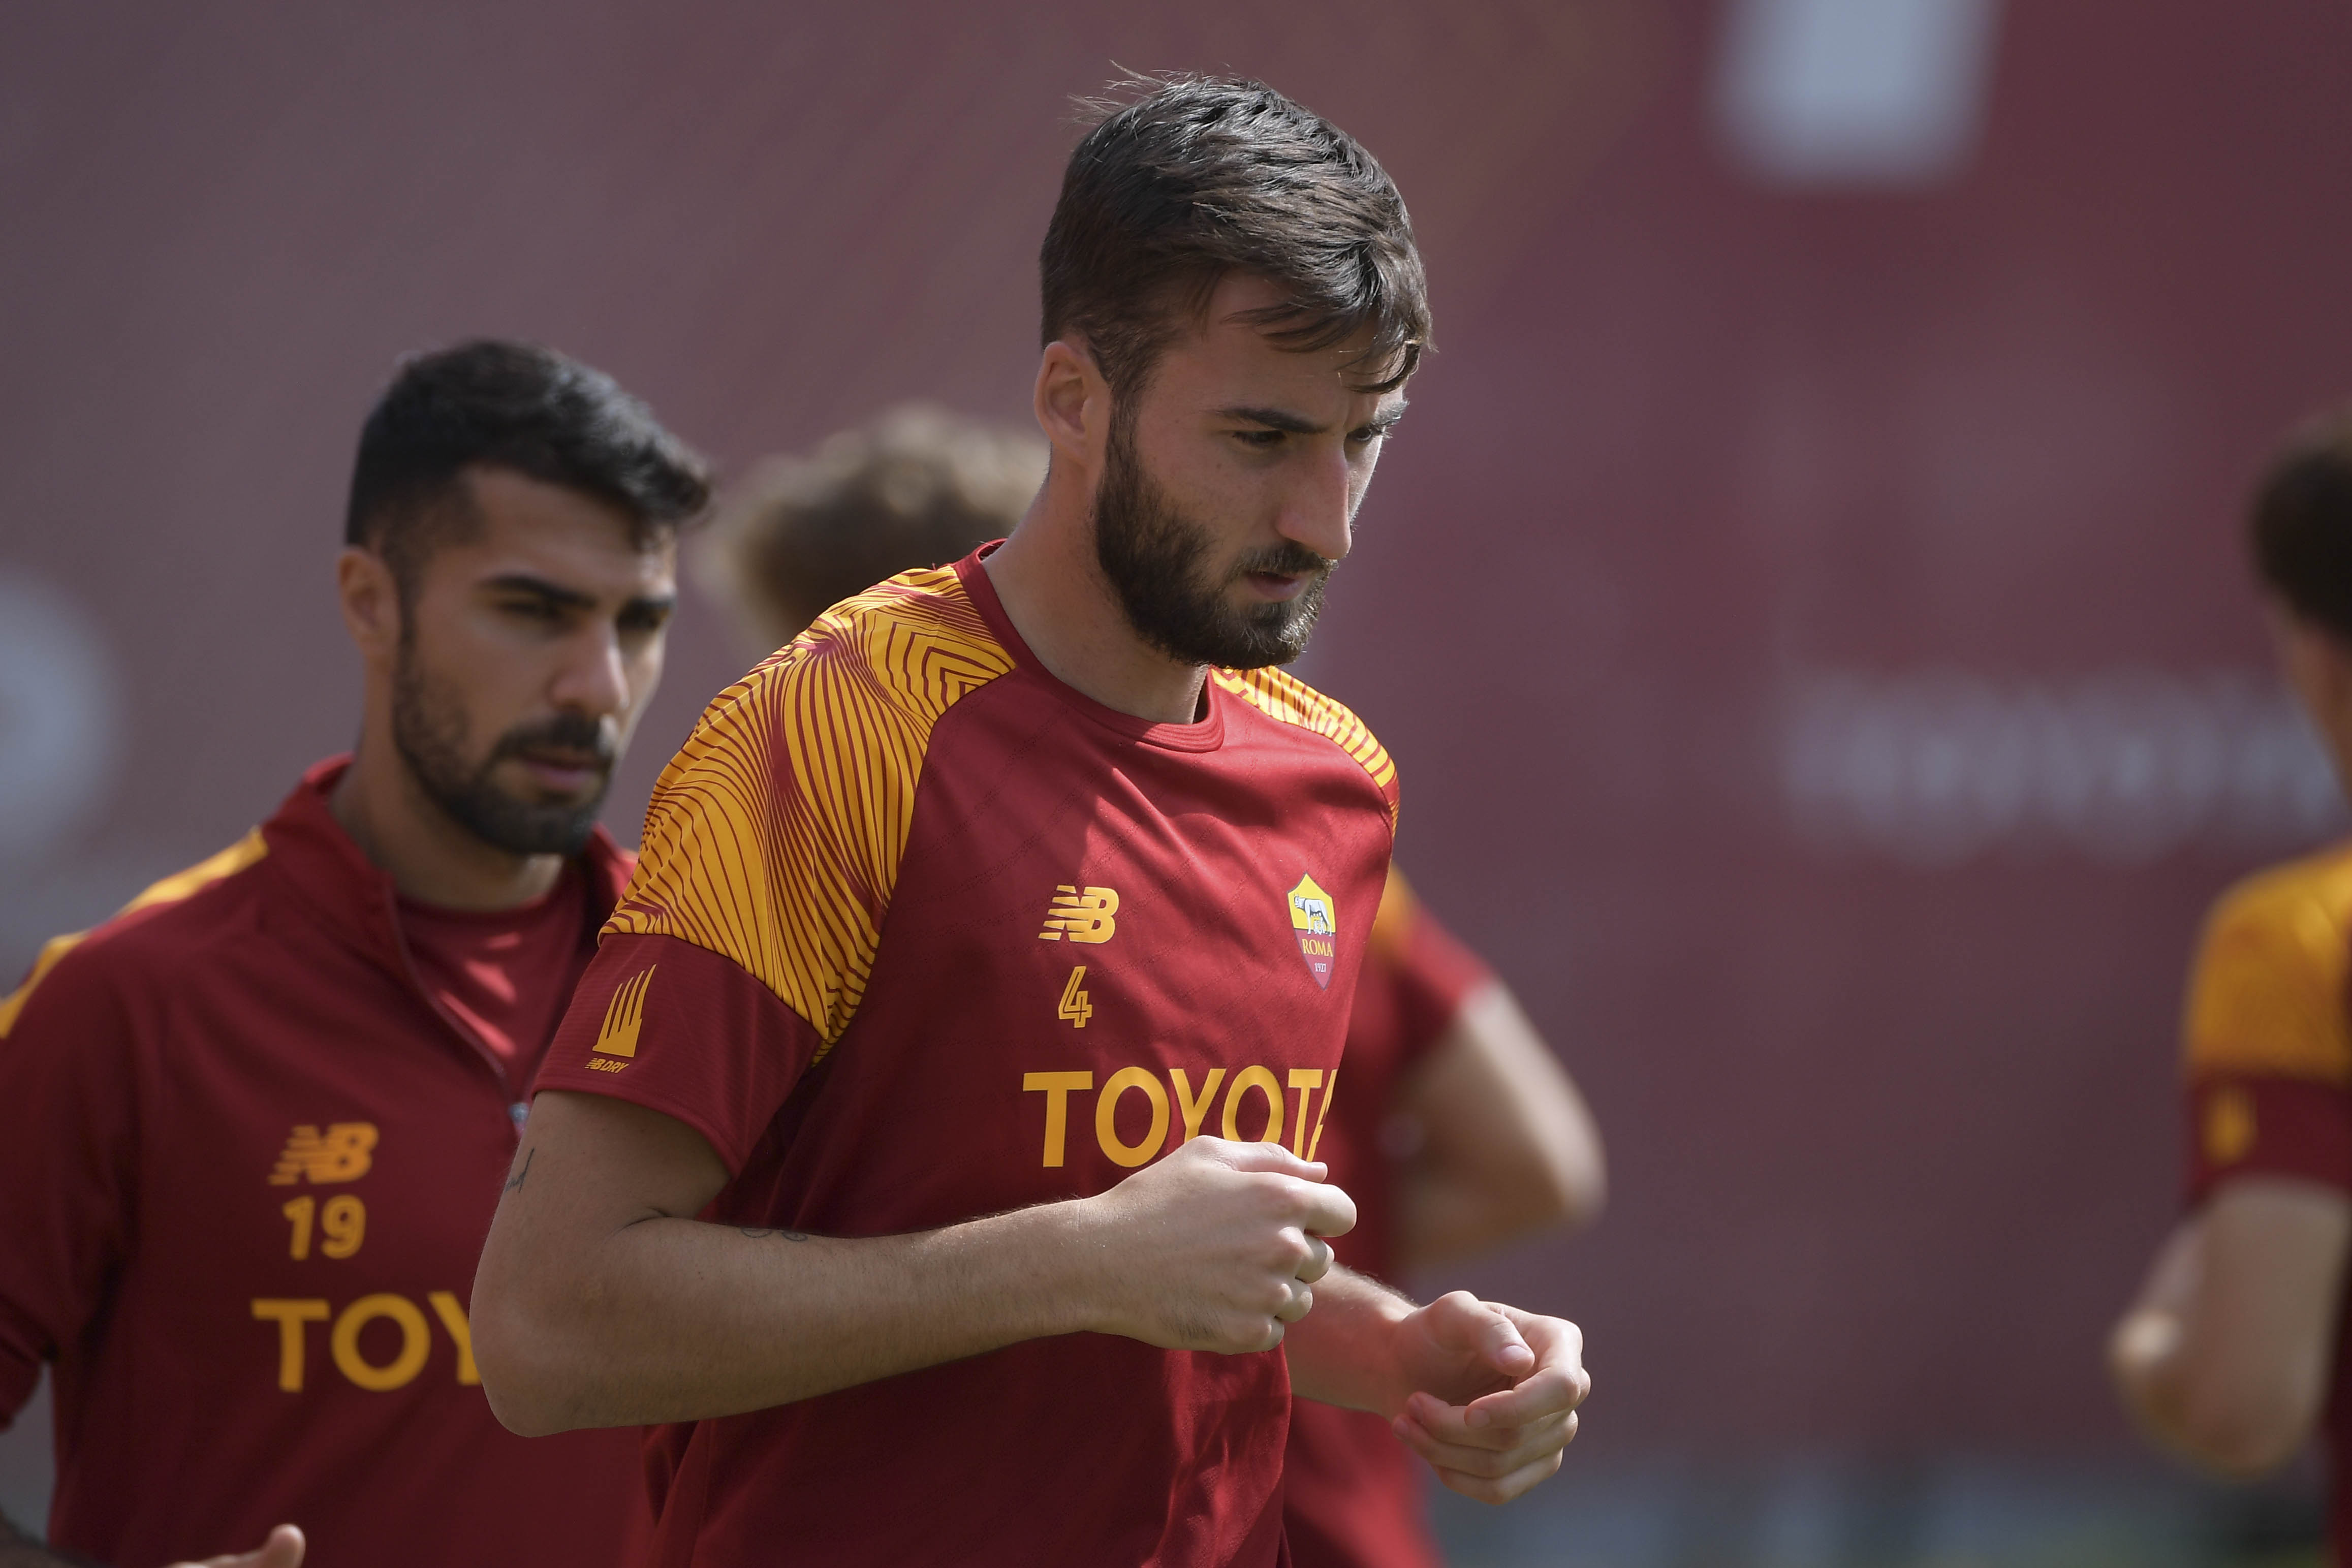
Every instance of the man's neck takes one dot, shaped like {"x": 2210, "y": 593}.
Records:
{"x": 1054, "y": 591}
{"x": 428, "y": 857}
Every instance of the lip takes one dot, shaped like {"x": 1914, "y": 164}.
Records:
{"x": 1274, "y": 588}
{"x": 562, "y": 776}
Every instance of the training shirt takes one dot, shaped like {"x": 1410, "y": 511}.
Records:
{"x": 249, "y": 1163}
{"x": 504, "y": 974}
{"x": 921, "y": 934}
{"x": 1353, "y": 1495}
{"x": 2268, "y": 1058}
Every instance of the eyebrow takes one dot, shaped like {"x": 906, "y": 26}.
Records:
{"x": 573, "y": 598}
{"x": 1283, "y": 419}
{"x": 1274, "y": 419}
{"x": 540, "y": 588}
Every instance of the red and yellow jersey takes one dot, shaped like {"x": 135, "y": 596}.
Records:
{"x": 248, "y": 1160}
{"x": 921, "y": 934}
{"x": 2268, "y": 1038}
{"x": 2269, "y": 1066}
{"x": 1353, "y": 1494}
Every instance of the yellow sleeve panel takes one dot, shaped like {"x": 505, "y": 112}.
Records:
{"x": 1393, "y": 922}
{"x": 170, "y": 891}
{"x": 774, "y": 836}
{"x": 1290, "y": 700}
{"x": 2267, "y": 996}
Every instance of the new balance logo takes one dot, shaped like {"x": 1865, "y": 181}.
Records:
{"x": 1081, "y": 916}
{"x": 624, "y": 1015}
{"x": 342, "y": 1153}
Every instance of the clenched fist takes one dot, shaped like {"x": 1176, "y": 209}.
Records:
{"x": 1215, "y": 1247}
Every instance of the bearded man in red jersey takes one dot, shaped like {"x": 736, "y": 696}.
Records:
{"x": 930, "y": 1145}
{"x": 251, "y": 1129}
{"x": 1459, "y": 1130}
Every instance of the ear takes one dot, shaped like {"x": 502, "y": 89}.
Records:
{"x": 1073, "y": 403}
{"x": 370, "y": 599}
{"x": 2318, "y": 665}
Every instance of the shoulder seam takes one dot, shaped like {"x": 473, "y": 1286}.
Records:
{"x": 178, "y": 887}
{"x": 774, "y": 836}
{"x": 1287, "y": 699}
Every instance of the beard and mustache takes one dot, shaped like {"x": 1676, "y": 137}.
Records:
{"x": 1155, "y": 557}
{"x": 428, "y": 730}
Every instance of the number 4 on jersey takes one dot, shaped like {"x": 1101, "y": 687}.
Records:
{"x": 1074, "y": 1006}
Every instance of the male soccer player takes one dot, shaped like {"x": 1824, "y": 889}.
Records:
{"x": 929, "y": 1143}
{"x": 1459, "y": 1130}
{"x": 252, "y": 1129}
{"x": 2235, "y": 1346}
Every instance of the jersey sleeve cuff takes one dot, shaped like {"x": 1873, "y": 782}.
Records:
{"x": 2246, "y": 1125}
{"x": 679, "y": 1029}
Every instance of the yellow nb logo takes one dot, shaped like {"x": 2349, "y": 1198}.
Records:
{"x": 624, "y": 1015}
{"x": 342, "y": 1153}
{"x": 1082, "y": 916}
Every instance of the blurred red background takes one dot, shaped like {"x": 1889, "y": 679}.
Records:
{"x": 1771, "y": 552}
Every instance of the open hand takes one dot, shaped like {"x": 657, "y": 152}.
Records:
{"x": 282, "y": 1549}
{"x": 1496, "y": 1392}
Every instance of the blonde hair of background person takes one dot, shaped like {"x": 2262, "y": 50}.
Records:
{"x": 917, "y": 486}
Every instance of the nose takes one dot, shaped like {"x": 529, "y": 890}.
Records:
{"x": 594, "y": 678}
{"x": 1317, "y": 510}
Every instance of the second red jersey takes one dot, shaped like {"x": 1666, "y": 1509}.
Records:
{"x": 921, "y": 934}
{"x": 1352, "y": 1493}
{"x": 249, "y": 1156}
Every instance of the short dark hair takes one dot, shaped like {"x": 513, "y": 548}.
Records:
{"x": 510, "y": 405}
{"x": 2302, "y": 522}
{"x": 1203, "y": 177}
{"x": 917, "y": 487}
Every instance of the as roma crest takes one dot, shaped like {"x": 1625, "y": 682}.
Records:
{"x": 1317, "y": 926}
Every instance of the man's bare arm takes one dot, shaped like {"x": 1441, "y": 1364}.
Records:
{"x": 1484, "y": 1393}
{"x": 1507, "y": 1146}
{"x": 2226, "y": 1356}
{"x": 600, "y": 1301}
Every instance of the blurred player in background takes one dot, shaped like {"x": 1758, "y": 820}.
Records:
{"x": 2235, "y": 1349}
{"x": 252, "y": 1129}
{"x": 924, "y": 1145}
{"x": 917, "y": 487}
{"x": 1458, "y": 1131}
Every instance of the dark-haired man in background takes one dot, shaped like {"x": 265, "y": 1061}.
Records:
{"x": 930, "y": 1142}
{"x": 251, "y": 1129}
{"x": 2236, "y": 1345}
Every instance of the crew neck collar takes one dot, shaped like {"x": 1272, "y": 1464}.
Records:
{"x": 1203, "y": 734}
{"x": 566, "y": 887}
{"x": 353, "y": 895}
